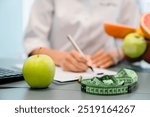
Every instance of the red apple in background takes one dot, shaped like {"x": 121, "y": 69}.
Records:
{"x": 146, "y": 56}
{"x": 132, "y": 60}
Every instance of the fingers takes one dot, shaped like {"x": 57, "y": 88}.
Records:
{"x": 78, "y": 56}
{"x": 89, "y": 61}
{"x": 98, "y": 57}
{"x": 74, "y": 62}
{"x": 102, "y": 59}
{"x": 79, "y": 64}
{"x": 70, "y": 67}
{"x": 107, "y": 64}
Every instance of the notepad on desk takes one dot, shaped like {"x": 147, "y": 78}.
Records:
{"x": 65, "y": 76}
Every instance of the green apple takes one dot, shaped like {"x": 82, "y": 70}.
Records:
{"x": 134, "y": 45}
{"x": 39, "y": 71}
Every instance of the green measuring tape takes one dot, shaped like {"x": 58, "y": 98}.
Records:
{"x": 123, "y": 82}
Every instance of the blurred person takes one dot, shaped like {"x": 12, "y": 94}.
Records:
{"x": 52, "y": 20}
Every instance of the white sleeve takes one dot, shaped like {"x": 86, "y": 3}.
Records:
{"x": 130, "y": 13}
{"x": 39, "y": 25}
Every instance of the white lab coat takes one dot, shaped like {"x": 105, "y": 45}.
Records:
{"x": 52, "y": 20}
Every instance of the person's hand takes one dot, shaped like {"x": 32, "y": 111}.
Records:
{"x": 74, "y": 62}
{"x": 69, "y": 61}
{"x": 103, "y": 59}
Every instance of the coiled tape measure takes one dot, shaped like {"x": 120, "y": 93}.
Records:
{"x": 123, "y": 82}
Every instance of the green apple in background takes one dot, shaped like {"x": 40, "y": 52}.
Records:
{"x": 134, "y": 45}
{"x": 39, "y": 71}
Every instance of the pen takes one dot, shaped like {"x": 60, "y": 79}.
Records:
{"x": 77, "y": 48}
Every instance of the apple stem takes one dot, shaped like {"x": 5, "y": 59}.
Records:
{"x": 39, "y": 50}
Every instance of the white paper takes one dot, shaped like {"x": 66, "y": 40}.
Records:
{"x": 65, "y": 76}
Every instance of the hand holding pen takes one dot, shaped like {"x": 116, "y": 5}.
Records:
{"x": 79, "y": 50}
{"x": 74, "y": 62}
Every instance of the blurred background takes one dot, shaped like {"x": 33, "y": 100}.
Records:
{"x": 11, "y": 33}
{"x": 14, "y": 16}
